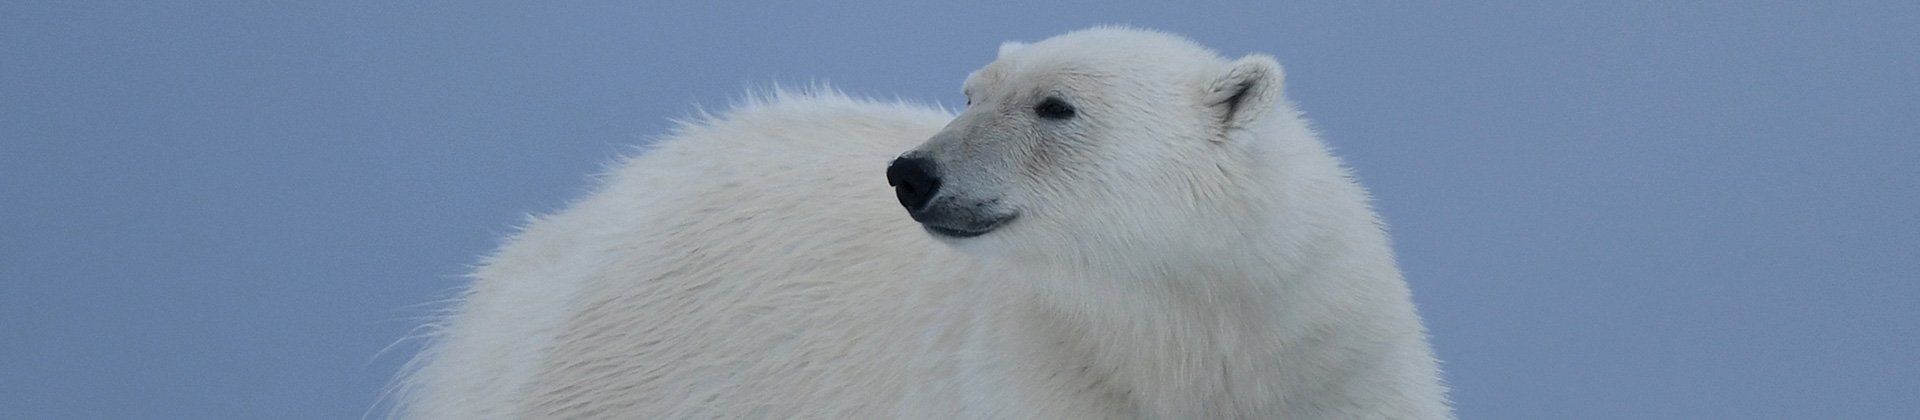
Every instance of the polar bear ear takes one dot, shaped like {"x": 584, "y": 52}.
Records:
{"x": 1246, "y": 92}
{"x": 1010, "y": 46}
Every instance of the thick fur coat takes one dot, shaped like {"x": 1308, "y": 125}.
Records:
{"x": 1126, "y": 226}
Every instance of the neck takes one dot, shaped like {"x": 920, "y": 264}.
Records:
{"x": 1306, "y": 317}
{"x": 1246, "y": 338}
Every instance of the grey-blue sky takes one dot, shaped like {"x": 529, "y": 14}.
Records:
{"x": 1629, "y": 210}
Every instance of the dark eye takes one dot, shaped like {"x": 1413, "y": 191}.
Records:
{"x": 1053, "y": 109}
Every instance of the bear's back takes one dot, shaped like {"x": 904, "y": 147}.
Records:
{"x": 747, "y": 266}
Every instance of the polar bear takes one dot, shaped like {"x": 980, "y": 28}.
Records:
{"x": 1120, "y": 224}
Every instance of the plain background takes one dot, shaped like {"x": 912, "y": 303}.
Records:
{"x": 1639, "y": 210}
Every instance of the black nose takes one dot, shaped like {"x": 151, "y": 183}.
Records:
{"x": 914, "y": 181}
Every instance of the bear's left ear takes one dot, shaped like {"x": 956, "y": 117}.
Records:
{"x": 1247, "y": 92}
{"x": 1009, "y": 47}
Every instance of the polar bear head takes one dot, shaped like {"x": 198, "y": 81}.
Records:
{"x": 1093, "y": 141}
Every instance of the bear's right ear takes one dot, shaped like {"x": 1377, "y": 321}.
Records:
{"x": 1247, "y": 92}
{"x": 1009, "y": 47}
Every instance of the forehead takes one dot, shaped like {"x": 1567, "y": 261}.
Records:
{"x": 1106, "y": 57}
{"x": 1004, "y": 75}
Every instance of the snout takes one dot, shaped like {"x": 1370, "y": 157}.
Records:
{"x": 917, "y": 183}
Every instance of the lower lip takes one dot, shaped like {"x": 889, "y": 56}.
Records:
{"x": 955, "y": 233}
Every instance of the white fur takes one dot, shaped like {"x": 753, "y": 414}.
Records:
{"x": 1172, "y": 260}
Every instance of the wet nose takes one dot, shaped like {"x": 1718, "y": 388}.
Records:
{"x": 914, "y": 181}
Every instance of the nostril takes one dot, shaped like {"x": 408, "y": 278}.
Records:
{"x": 913, "y": 181}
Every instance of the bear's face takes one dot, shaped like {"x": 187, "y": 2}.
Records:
{"x": 1091, "y": 142}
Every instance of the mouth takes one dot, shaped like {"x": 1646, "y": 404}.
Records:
{"x": 954, "y": 233}
{"x": 965, "y": 232}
